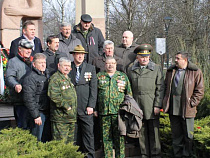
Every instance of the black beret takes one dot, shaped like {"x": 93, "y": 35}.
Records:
{"x": 143, "y": 50}
{"x": 86, "y": 18}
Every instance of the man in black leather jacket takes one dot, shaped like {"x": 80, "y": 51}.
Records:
{"x": 35, "y": 97}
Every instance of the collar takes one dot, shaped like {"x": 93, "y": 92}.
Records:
{"x": 190, "y": 66}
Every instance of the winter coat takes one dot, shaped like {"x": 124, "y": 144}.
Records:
{"x": 65, "y": 47}
{"x": 130, "y": 118}
{"x": 14, "y": 47}
{"x": 192, "y": 90}
{"x": 126, "y": 54}
{"x": 147, "y": 86}
{"x": 35, "y": 97}
{"x": 15, "y": 72}
{"x": 93, "y": 44}
{"x": 52, "y": 60}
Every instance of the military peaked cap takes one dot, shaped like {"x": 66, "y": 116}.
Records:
{"x": 143, "y": 50}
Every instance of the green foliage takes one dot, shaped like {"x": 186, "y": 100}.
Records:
{"x": 18, "y": 143}
{"x": 201, "y": 134}
{"x": 204, "y": 106}
{"x": 201, "y": 137}
{"x": 165, "y": 136}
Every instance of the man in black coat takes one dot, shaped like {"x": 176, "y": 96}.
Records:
{"x": 90, "y": 36}
{"x": 35, "y": 86}
{"x": 83, "y": 77}
{"x": 52, "y": 53}
{"x": 29, "y": 34}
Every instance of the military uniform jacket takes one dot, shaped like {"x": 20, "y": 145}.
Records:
{"x": 147, "y": 86}
{"x": 63, "y": 95}
{"x": 110, "y": 93}
{"x": 86, "y": 88}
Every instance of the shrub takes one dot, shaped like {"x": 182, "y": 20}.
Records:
{"x": 204, "y": 106}
{"x": 201, "y": 137}
{"x": 15, "y": 143}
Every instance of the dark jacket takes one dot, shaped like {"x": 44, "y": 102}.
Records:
{"x": 52, "y": 60}
{"x": 15, "y": 73}
{"x": 126, "y": 54}
{"x": 35, "y": 86}
{"x": 86, "y": 88}
{"x": 65, "y": 46}
{"x": 14, "y": 47}
{"x": 99, "y": 63}
{"x": 192, "y": 90}
{"x": 130, "y": 118}
{"x": 147, "y": 87}
{"x": 93, "y": 43}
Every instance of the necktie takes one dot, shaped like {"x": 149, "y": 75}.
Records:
{"x": 77, "y": 74}
{"x": 177, "y": 77}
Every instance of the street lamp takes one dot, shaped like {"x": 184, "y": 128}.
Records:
{"x": 167, "y": 20}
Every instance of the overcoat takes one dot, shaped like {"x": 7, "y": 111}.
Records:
{"x": 147, "y": 86}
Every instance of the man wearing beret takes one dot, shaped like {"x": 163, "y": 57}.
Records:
{"x": 17, "y": 67}
{"x": 90, "y": 36}
{"x": 147, "y": 85}
{"x": 83, "y": 77}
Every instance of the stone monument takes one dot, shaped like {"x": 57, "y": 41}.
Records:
{"x": 14, "y": 13}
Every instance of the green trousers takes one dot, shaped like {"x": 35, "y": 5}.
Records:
{"x": 64, "y": 131}
{"x": 111, "y": 137}
{"x": 149, "y": 139}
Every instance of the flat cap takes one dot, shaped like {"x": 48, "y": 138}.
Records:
{"x": 25, "y": 44}
{"x": 78, "y": 49}
{"x": 86, "y": 18}
{"x": 143, "y": 50}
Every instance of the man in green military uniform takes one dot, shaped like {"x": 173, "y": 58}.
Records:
{"x": 147, "y": 86}
{"x": 64, "y": 102}
{"x": 112, "y": 87}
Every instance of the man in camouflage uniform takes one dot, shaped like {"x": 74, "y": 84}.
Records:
{"x": 112, "y": 87}
{"x": 64, "y": 102}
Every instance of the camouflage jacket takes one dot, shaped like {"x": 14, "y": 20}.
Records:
{"x": 111, "y": 91}
{"x": 63, "y": 95}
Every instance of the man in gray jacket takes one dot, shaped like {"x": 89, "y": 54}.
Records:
{"x": 67, "y": 41}
{"x": 17, "y": 67}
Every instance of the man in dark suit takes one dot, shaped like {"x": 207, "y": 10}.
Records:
{"x": 29, "y": 34}
{"x": 83, "y": 77}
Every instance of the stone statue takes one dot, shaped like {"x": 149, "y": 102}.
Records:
{"x": 12, "y": 11}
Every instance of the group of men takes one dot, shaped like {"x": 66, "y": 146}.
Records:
{"x": 80, "y": 76}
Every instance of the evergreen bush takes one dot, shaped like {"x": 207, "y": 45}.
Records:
{"x": 18, "y": 143}
{"x": 201, "y": 137}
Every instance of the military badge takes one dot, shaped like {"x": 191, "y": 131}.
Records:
{"x": 121, "y": 84}
{"x": 88, "y": 76}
